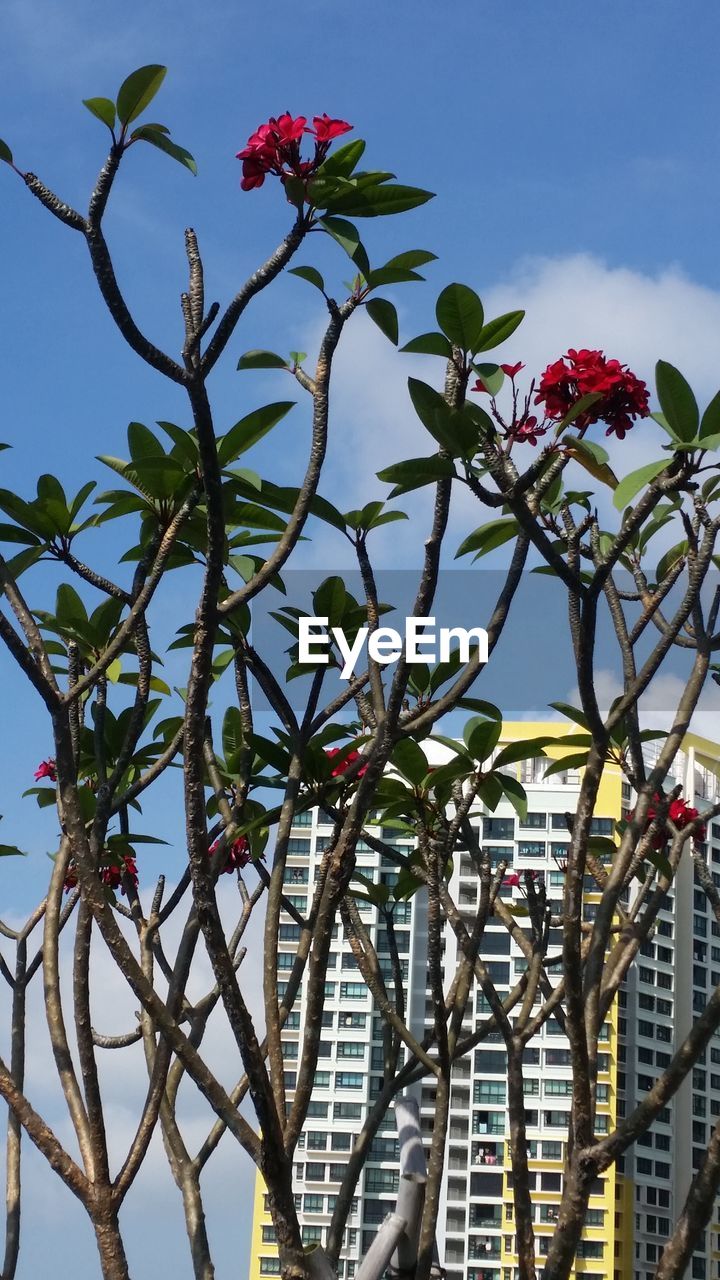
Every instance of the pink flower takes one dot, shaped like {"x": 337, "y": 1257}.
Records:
{"x": 46, "y": 769}
{"x": 528, "y": 429}
{"x": 112, "y": 875}
{"x": 325, "y": 129}
{"x": 238, "y": 855}
{"x": 585, "y": 372}
{"x": 680, "y": 813}
{"x": 274, "y": 148}
{"x": 288, "y": 129}
{"x": 512, "y": 880}
{"x": 511, "y": 370}
{"x": 348, "y": 758}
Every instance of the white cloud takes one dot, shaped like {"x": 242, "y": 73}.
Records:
{"x": 569, "y": 301}
{"x": 659, "y": 705}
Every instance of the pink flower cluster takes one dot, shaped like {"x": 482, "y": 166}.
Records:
{"x": 680, "y": 813}
{"x": 110, "y": 875}
{"x": 275, "y": 148}
{"x": 564, "y": 382}
{"x": 238, "y": 855}
{"x": 349, "y": 758}
{"x": 582, "y": 373}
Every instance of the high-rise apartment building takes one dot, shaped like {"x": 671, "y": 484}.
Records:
{"x": 633, "y": 1205}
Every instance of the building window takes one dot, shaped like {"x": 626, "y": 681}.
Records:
{"x": 351, "y": 1049}
{"x": 499, "y": 828}
{"x": 349, "y": 1079}
{"x": 531, "y": 848}
{"x": 489, "y": 1091}
{"x": 537, "y": 821}
{"x": 353, "y": 991}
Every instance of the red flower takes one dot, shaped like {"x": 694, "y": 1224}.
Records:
{"x": 325, "y": 129}
{"x": 585, "y": 372}
{"x": 46, "y": 769}
{"x": 512, "y": 880}
{"x": 288, "y": 129}
{"x": 680, "y": 813}
{"x": 253, "y": 173}
{"x": 238, "y": 855}
{"x": 480, "y": 386}
{"x": 511, "y": 370}
{"x": 275, "y": 148}
{"x": 528, "y": 429}
{"x": 112, "y": 875}
{"x": 348, "y": 758}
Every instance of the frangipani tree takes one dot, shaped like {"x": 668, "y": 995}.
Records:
{"x": 184, "y": 504}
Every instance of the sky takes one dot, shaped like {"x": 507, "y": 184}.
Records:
{"x": 573, "y": 148}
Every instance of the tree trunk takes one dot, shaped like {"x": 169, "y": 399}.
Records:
{"x": 110, "y": 1246}
{"x": 203, "y": 1268}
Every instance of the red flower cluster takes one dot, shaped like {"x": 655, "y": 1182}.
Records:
{"x": 275, "y": 148}
{"x": 110, "y": 875}
{"x": 238, "y": 855}
{"x": 680, "y": 813}
{"x": 581, "y": 373}
{"x": 46, "y": 769}
{"x": 345, "y": 763}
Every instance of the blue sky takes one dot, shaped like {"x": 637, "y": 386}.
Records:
{"x": 574, "y": 150}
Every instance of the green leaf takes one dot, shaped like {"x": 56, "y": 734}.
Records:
{"x": 103, "y": 109}
{"x": 481, "y": 736}
{"x": 233, "y": 738}
{"x": 377, "y": 201}
{"x": 429, "y": 344}
{"x": 669, "y": 560}
{"x": 579, "y": 407}
{"x": 348, "y": 237}
{"x": 593, "y": 458}
{"x": 432, "y": 409}
{"x": 491, "y": 376}
{"x": 496, "y": 331}
{"x": 416, "y": 472}
{"x": 677, "y": 401}
{"x": 637, "y": 480}
{"x": 710, "y": 425}
{"x": 250, "y": 429}
{"x": 486, "y": 709}
{"x": 138, "y": 91}
{"x": 385, "y": 317}
{"x": 311, "y": 275}
{"x": 459, "y": 313}
{"x": 529, "y": 749}
{"x": 5, "y": 152}
{"x": 574, "y": 761}
{"x": 156, "y": 138}
{"x": 515, "y": 793}
{"x": 410, "y": 760}
{"x": 571, "y": 713}
{"x": 330, "y": 600}
{"x": 411, "y": 258}
{"x": 387, "y": 517}
{"x": 488, "y": 537}
{"x": 342, "y": 162}
{"x": 261, "y": 360}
